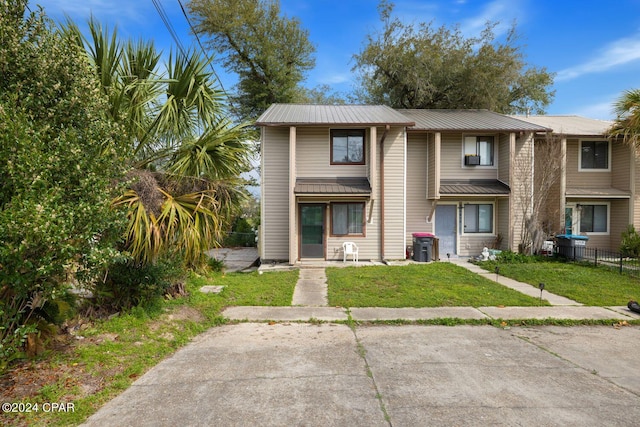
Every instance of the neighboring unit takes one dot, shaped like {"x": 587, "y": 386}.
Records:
{"x": 373, "y": 175}
{"x": 595, "y": 193}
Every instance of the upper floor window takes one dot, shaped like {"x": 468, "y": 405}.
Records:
{"x": 478, "y": 218}
{"x": 480, "y": 146}
{"x": 347, "y": 147}
{"x": 594, "y": 155}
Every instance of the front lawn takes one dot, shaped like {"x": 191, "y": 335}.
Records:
{"x": 586, "y": 284}
{"x": 103, "y": 357}
{"x": 439, "y": 284}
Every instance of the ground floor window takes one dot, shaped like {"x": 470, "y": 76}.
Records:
{"x": 478, "y": 218}
{"x": 593, "y": 219}
{"x": 347, "y": 219}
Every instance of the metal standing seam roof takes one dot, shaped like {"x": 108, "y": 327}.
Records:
{"x": 570, "y": 125}
{"x": 345, "y": 115}
{"x": 468, "y": 120}
{"x": 472, "y": 188}
{"x": 334, "y": 186}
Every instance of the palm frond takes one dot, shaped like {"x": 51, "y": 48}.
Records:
{"x": 627, "y": 124}
{"x": 191, "y": 99}
{"x": 144, "y": 235}
{"x": 220, "y": 152}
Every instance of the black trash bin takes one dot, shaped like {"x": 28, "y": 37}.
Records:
{"x": 571, "y": 246}
{"x": 423, "y": 247}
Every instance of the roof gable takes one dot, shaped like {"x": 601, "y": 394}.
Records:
{"x": 571, "y": 125}
{"x": 468, "y": 120}
{"x": 344, "y": 115}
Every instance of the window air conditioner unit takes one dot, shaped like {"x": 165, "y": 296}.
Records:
{"x": 471, "y": 160}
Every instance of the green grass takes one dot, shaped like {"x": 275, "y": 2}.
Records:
{"x": 586, "y": 284}
{"x": 115, "y": 352}
{"x": 241, "y": 289}
{"x": 439, "y": 284}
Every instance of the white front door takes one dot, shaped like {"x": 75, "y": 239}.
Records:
{"x": 445, "y": 228}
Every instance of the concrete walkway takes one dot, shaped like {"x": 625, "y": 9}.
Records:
{"x": 311, "y": 288}
{"x": 310, "y": 303}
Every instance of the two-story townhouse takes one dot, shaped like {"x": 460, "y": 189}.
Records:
{"x": 469, "y": 178}
{"x": 331, "y": 174}
{"x": 595, "y": 194}
{"x": 374, "y": 175}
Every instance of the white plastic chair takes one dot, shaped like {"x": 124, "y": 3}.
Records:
{"x": 350, "y": 248}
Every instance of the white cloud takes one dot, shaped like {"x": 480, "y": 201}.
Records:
{"x": 601, "y": 111}
{"x": 502, "y": 11}
{"x": 104, "y": 9}
{"x": 337, "y": 78}
{"x": 615, "y": 54}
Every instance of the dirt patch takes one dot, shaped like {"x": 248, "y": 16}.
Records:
{"x": 186, "y": 313}
{"x": 25, "y": 379}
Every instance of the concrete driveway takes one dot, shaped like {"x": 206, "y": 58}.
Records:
{"x": 301, "y": 374}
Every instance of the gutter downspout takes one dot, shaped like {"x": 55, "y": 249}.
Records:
{"x": 381, "y": 181}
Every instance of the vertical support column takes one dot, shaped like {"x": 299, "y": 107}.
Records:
{"x": 293, "y": 234}
{"x": 261, "y": 233}
{"x": 373, "y": 170}
{"x": 437, "y": 140}
{"x": 563, "y": 180}
{"x": 373, "y": 160}
{"x": 513, "y": 203}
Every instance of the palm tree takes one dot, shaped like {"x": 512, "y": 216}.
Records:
{"x": 186, "y": 155}
{"x": 627, "y": 123}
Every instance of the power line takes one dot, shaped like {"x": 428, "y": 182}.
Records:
{"x": 167, "y": 23}
{"x": 204, "y": 52}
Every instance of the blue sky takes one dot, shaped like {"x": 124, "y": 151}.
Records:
{"x": 593, "y": 47}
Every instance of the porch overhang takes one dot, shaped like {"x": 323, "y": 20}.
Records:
{"x": 473, "y": 188}
{"x": 334, "y": 187}
{"x": 596, "y": 193}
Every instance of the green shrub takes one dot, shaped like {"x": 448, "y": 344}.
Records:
{"x": 630, "y": 245}
{"x": 59, "y": 165}
{"x": 242, "y": 235}
{"x": 130, "y": 284}
{"x": 514, "y": 257}
{"x": 215, "y": 264}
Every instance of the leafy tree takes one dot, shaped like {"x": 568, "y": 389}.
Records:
{"x": 409, "y": 66}
{"x": 627, "y": 123}
{"x": 269, "y": 52}
{"x": 187, "y": 155}
{"x": 630, "y": 242}
{"x": 59, "y": 162}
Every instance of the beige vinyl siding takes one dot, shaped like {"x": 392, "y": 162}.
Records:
{"x": 502, "y": 222}
{"x": 313, "y": 155}
{"x": 504, "y": 164}
{"x": 578, "y": 179}
{"x": 471, "y": 245}
{"x": 394, "y": 191}
{"x": 275, "y": 194}
{"x": 418, "y": 207}
{"x": 368, "y": 246}
{"x": 433, "y": 178}
{"x": 452, "y": 161}
{"x": 618, "y": 222}
{"x": 550, "y": 214}
{"x": 621, "y": 157}
{"x": 522, "y": 188}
